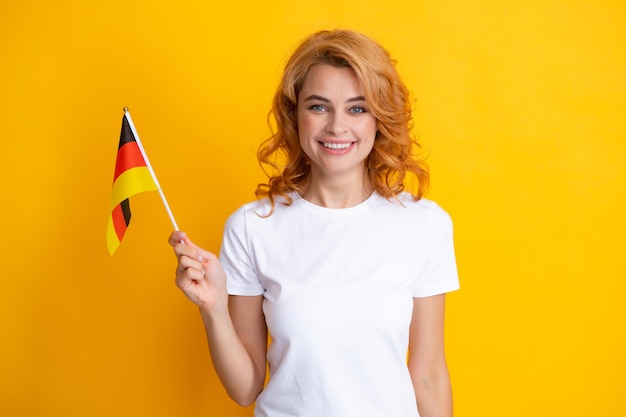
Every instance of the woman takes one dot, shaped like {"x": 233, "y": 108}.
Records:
{"x": 345, "y": 269}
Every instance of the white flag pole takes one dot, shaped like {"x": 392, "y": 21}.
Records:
{"x": 145, "y": 158}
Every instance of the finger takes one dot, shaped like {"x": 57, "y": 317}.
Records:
{"x": 177, "y": 237}
{"x": 180, "y": 249}
{"x": 185, "y": 247}
{"x": 189, "y": 266}
{"x": 188, "y": 277}
{"x": 186, "y": 262}
{"x": 204, "y": 255}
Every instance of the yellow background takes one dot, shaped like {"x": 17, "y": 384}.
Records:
{"x": 521, "y": 104}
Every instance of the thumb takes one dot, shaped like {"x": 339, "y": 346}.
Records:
{"x": 180, "y": 237}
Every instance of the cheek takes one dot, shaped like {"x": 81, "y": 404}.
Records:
{"x": 305, "y": 124}
{"x": 304, "y": 132}
{"x": 369, "y": 129}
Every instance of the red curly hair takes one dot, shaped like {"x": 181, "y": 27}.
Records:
{"x": 394, "y": 153}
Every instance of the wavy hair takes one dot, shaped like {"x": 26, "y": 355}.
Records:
{"x": 394, "y": 152}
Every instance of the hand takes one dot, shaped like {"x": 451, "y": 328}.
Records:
{"x": 199, "y": 274}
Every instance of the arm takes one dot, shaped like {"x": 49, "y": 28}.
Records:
{"x": 235, "y": 326}
{"x": 237, "y": 343}
{"x": 427, "y": 361}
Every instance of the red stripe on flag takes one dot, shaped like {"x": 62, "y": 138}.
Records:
{"x": 119, "y": 222}
{"x": 128, "y": 156}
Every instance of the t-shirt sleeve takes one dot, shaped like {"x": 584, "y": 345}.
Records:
{"x": 236, "y": 259}
{"x": 440, "y": 271}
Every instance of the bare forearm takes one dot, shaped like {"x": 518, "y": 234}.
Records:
{"x": 241, "y": 377}
{"x": 427, "y": 359}
{"x": 434, "y": 395}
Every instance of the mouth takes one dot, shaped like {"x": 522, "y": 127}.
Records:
{"x": 336, "y": 145}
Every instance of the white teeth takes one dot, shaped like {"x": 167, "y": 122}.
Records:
{"x": 336, "y": 145}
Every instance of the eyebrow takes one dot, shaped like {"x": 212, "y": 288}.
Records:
{"x": 325, "y": 100}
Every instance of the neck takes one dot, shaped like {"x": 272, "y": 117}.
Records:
{"x": 338, "y": 192}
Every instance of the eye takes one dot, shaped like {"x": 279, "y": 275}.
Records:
{"x": 358, "y": 109}
{"x": 317, "y": 108}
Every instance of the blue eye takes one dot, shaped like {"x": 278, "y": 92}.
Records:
{"x": 317, "y": 107}
{"x": 358, "y": 109}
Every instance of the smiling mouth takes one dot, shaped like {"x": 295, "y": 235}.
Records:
{"x": 332, "y": 145}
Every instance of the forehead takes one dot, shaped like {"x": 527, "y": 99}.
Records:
{"x": 331, "y": 80}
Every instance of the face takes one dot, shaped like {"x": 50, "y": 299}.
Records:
{"x": 335, "y": 128}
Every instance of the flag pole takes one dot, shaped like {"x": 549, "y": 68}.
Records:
{"x": 154, "y": 178}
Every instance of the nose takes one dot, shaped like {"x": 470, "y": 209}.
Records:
{"x": 337, "y": 123}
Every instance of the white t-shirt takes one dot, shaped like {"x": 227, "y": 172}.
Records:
{"x": 338, "y": 287}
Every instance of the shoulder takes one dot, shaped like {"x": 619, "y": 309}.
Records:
{"x": 434, "y": 211}
{"x": 423, "y": 208}
{"x": 254, "y": 211}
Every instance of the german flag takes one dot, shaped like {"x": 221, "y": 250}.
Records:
{"x": 132, "y": 176}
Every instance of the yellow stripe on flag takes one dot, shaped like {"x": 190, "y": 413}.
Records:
{"x": 112, "y": 240}
{"x": 130, "y": 182}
